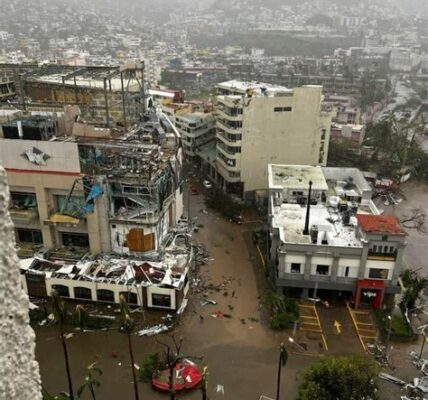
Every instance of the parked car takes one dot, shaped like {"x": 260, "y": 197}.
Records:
{"x": 207, "y": 184}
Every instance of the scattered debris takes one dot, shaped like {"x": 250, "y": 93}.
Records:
{"x": 391, "y": 378}
{"x": 207, "y": 301}
{"x": 219, "y": 389}
{"x": 182, "y": 306}
{"x": 68, "y": 335}
{"x": 154, "y": 330}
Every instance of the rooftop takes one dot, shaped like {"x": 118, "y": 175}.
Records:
{"x": 258, "y": 88}
{"x": 296, "y": 177}
{"x": 290, "y": 219}
{"x": 380, "y": 224}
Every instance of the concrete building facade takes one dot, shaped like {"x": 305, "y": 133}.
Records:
{"x": 338, "y": 246}
{"x": 258, "y": 124}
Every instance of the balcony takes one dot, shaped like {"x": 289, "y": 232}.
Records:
{"x": 229, "y": 139}
{"x": 227, "y": 152}
{"x": 382, "y": 256}
{"x": 23, "y": 216}
{"x": 221, "y": 124}
{"x": 225, "y": 113}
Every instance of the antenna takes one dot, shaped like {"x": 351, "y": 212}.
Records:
{"x": 308, "y": 210}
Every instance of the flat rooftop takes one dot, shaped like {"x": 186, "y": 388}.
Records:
{"x": 259, "y": 88}
{"x": 296, "y": 177}
{"x": 290, "y": 220}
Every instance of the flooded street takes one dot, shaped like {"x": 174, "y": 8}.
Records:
{"x": 240, "y": 352}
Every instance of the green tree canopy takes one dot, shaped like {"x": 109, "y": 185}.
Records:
{"x": 340, "y": 378}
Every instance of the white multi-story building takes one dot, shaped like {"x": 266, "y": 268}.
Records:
{"x": 338, "y": 245}
{"x": 197, "y": 130}
{"x": 258, "y": 124}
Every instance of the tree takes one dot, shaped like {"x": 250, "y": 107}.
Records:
{"x": 283, "y": 357}
{"x": 58, "y": 308}
{"x": 414, "y": 285}
{"x": 90, "y": 382}
{"x": 127, "y": 326}
{"x": 340, "y": 378}
{"x": 415, "y": 220}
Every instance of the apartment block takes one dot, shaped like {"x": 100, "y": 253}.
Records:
{"x": 259, "y": 124}
{"x": 328, "y": 239}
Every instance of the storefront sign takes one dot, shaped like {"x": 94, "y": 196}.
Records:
{"x": 369, "y": 294}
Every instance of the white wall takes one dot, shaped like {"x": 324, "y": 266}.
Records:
{"x": 64, "y": 156}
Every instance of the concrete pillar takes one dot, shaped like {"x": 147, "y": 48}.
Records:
{"x": 308, "y": 265}
{"x": 43, "y": 205}
{"x": 19, "y": 371}
{"x": 334, "y": 268}
{"x": 363, "y": 263}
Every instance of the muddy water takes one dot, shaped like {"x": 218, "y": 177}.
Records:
{"x": 240, "y": 353}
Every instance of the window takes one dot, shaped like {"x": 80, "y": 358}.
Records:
{"x": 105, "y": 295}
{"x": 82, "y": 293}
{"x": 161, "y": 300}
{"x": 72, "y": 206}
{"x": 29, "y": 236}
{"x": 75, "y": 239}
{"x": 346, "y": 274}
{"x": 131, "y": 298}
{"x": 62, "y": 290}
{"x": 282, "y": 109}
{"x": 384, "y": 238}
{"x": 322, "y": 269}
{"x": 23, "y": 200}
{"x": 378, "y": 273}
{"x": 297, "y": 193}
{"x": 295, "y": 268}
{"x": 323, "y": 133}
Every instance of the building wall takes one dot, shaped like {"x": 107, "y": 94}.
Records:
{"x": 289, "y": 137}
{"x": 46, "y": 181}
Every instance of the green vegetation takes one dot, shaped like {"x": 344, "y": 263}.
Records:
{"x": 283, "y": 311}
{"x": 414, "y": 285}
{"x": 340, "y": 378}
{"x": 150, "y": 366}
{"x": 399, "y": 326}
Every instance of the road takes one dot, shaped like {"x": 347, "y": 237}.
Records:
{"x": 241, "y": 352}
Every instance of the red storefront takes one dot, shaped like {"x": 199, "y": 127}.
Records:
{"x": 369, "y": 291}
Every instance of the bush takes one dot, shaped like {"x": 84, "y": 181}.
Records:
{"x": 340, "y": 378}
{"x": 150, "y": 366}
{"x": 399, "y": 326}
{"x": 282, "y": 320}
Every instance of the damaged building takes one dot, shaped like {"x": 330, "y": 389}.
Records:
{"x": 79, "y": 189}
{"x": 107, "y": 96}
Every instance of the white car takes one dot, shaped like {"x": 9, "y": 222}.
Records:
{"x": 207, "y": 184}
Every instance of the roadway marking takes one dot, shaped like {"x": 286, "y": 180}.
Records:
{"x": 364, "y": 334}
{"x": 315, "y": 322}
{"x": 338, "y": 327}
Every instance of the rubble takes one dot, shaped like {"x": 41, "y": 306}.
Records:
{"x": 154, "y": 330}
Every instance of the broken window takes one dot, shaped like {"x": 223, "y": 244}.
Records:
{"x": 29, "y": 236}
{"x": 75, "y": 239}
{"x": 161, "y": 300}
{"x": 105, "y": 295}
{"x": 322, "y": 269}
{"x": 82, "y": 293}
{"x": 23, "y": 200}
{"x": 295, "y": 268}
{"x": 62, "y": 290}
{"x": 70, "y": 205}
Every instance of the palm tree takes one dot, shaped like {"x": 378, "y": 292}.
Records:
{"x": 127, "y": 325}
{"x": 204, "y": 383}
{"x": 283, "y": 356}
{"x": 58, "y": 308}
{"x": 90, "y": 382}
